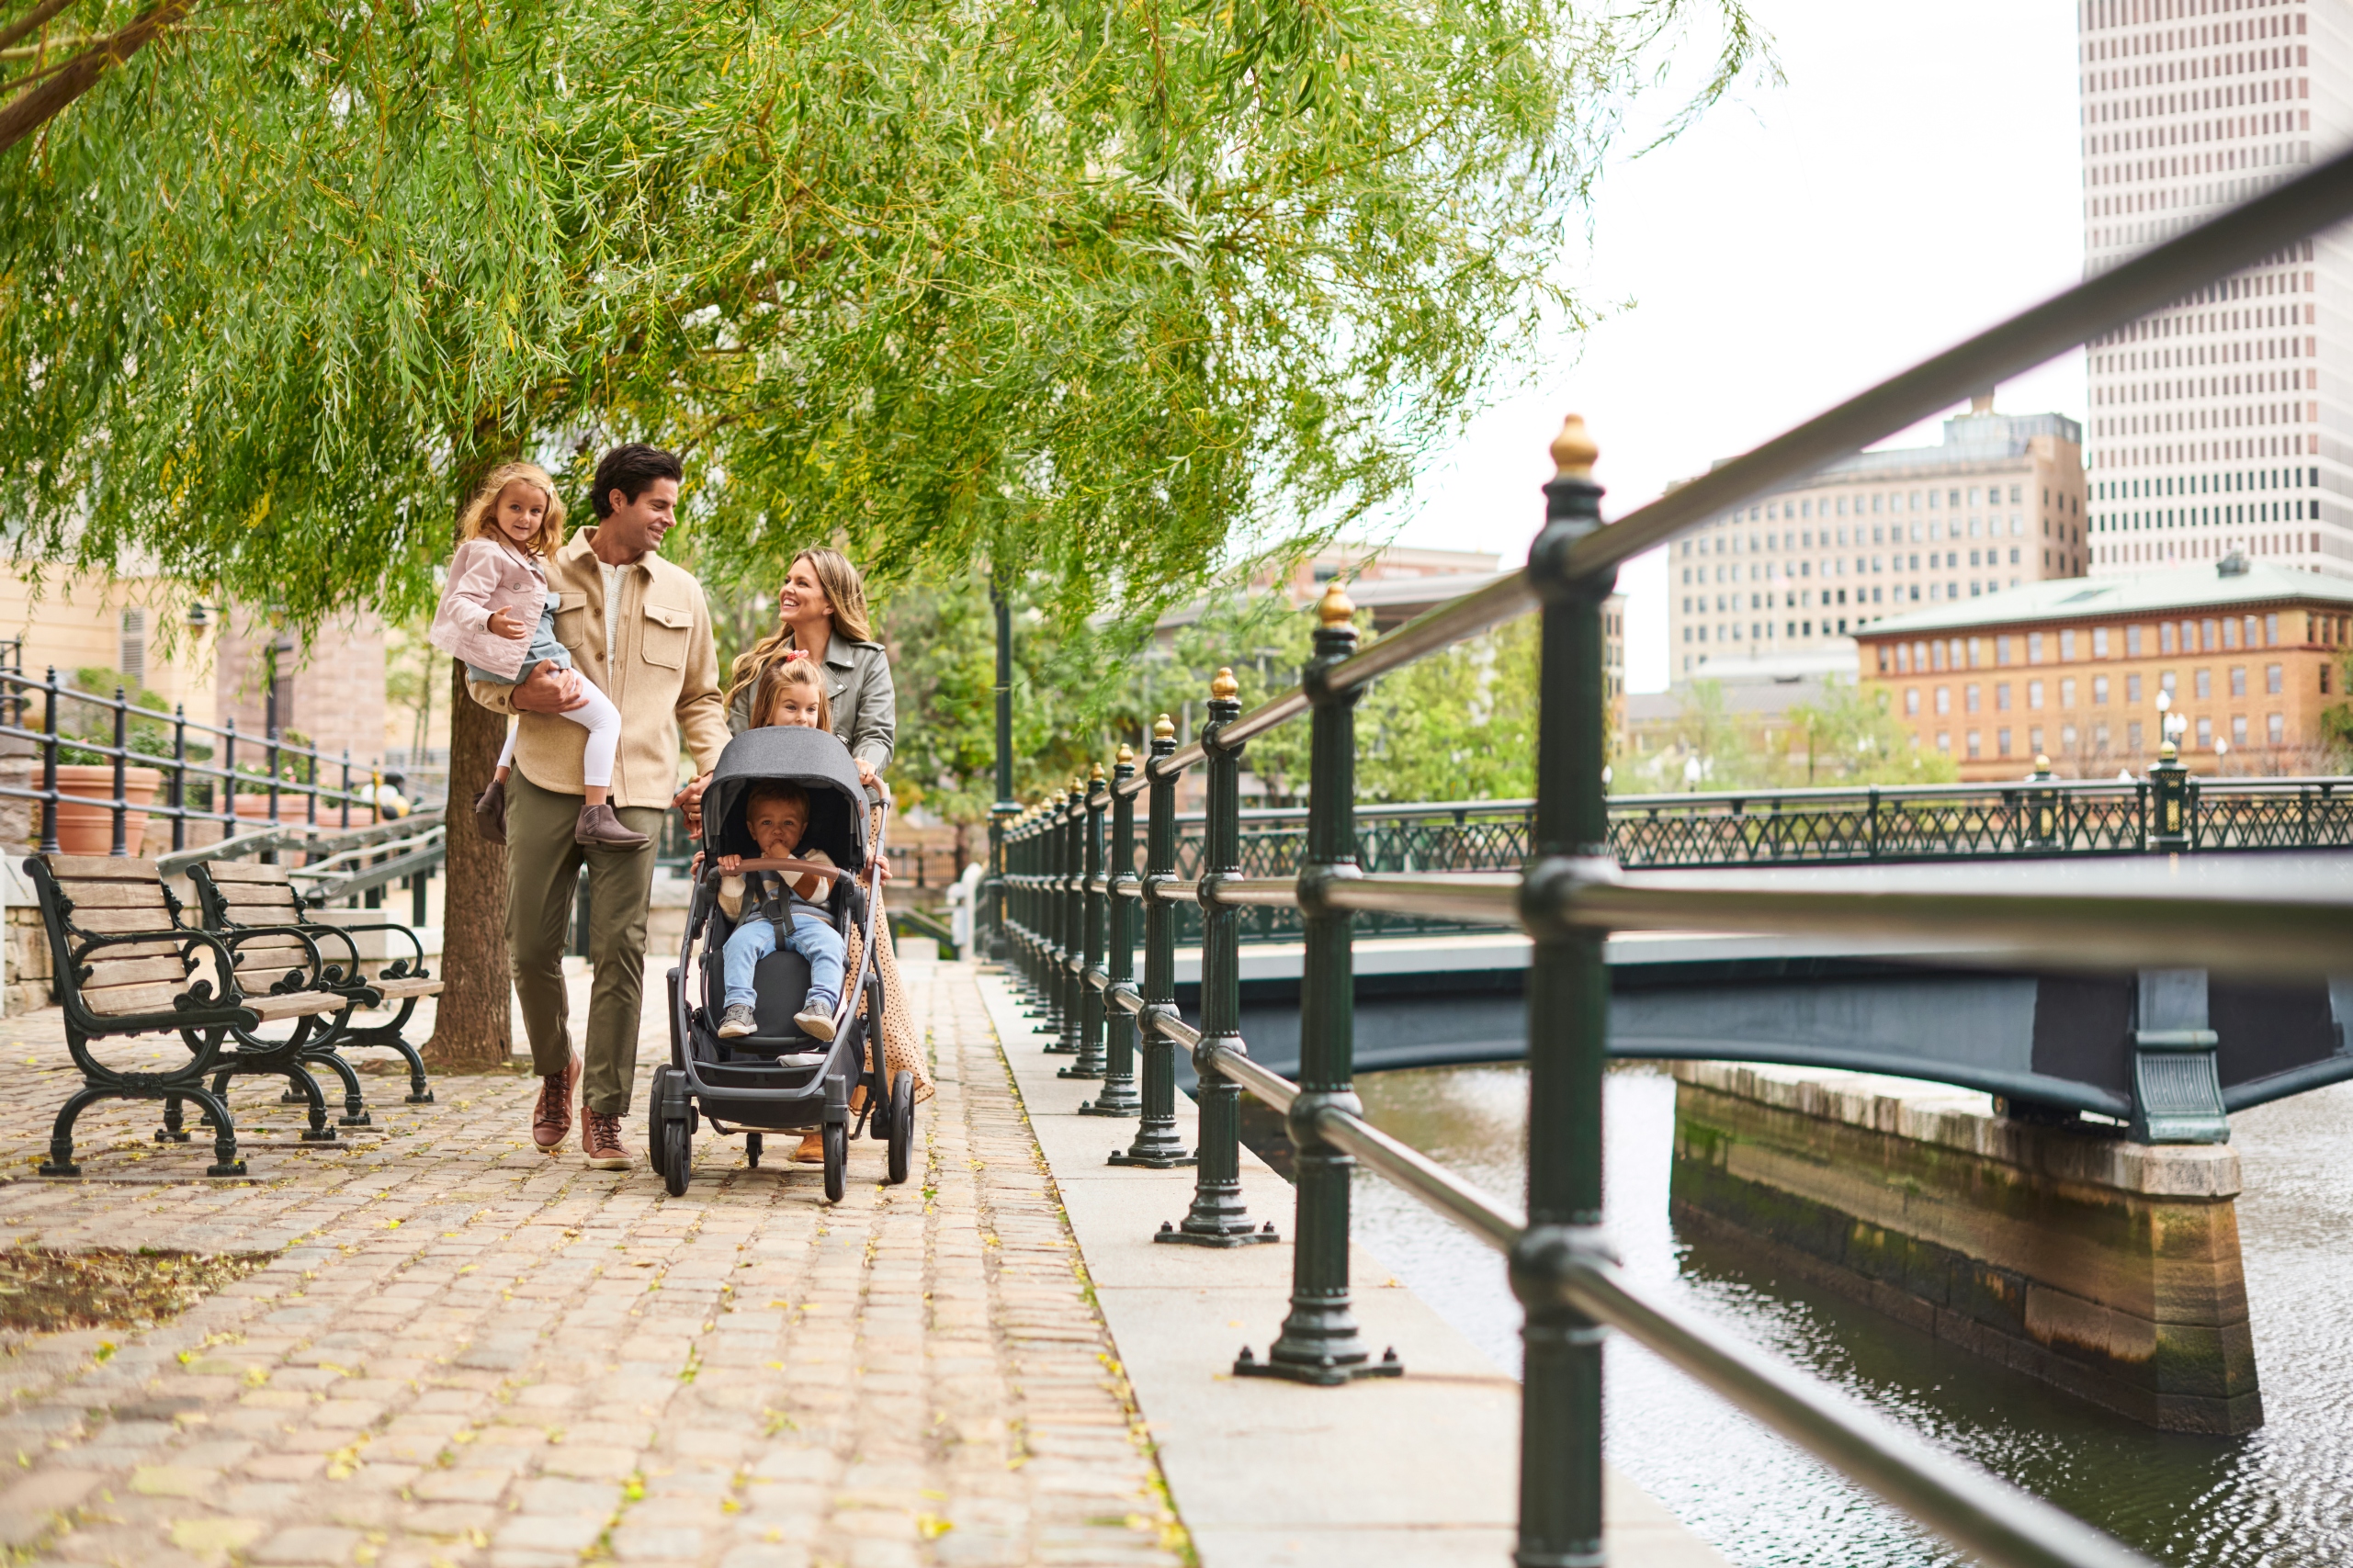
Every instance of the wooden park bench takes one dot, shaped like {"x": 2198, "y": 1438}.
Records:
{"x": 125, "y": 966}
{"x": 241, "y": 896}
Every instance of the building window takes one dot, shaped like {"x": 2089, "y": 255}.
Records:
{"x": 2099, "y": 642}
{"x": 2205, "y": 734}
{"x": 2034, "y": 738}
{"x": 2001, "y": 696}
{"x": 1944, "y": 739}
{"x": 1974, "y": 749}
{"x": 2099, "y": 690}
{"x": 2204, "y": 680}
{"x": 130, "y": 654}
{"x": 2131, "y": 642}
{"x": 2001, "y": 650}
{"x": 2271, "y": 630}
{"x": 2002, "y": 742}
{"x": 2166, "y": 684}
{"x": 2067, "y": 693}
{"x": 2132, "y": 688}
{"x": 2239, "y": 679}
{"x": 1944, "y": 702}
{"x": 2067, "y": 647}
{"x": 2132, "y": 737}
{"x": 2034, "y": 647}
{"x": 1912, "y": 701}
{"x": 1969, "y": 696}
{"x": 2067, "y": 739}
{"x": 2277, "y": 725}
{"x": 2271, "y": 683}
{"x": 2238, "y": 729}
{"x": 2034, "y": 694}
{"x": 2099, "y": 740}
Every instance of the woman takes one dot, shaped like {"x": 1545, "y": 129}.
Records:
{"x": 822, "y": 611}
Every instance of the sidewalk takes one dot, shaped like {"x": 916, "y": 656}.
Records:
{"x": 464, "y": 1352}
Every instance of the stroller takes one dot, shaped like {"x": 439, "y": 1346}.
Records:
{"x": 778, "y": 1079}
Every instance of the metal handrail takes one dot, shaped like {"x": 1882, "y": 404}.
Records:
{"x": 1569, "y": 897}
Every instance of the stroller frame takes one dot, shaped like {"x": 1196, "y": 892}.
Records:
{"x": 704, "y": 1081}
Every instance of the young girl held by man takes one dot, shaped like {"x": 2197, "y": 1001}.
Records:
{"x": 498, "y": 615}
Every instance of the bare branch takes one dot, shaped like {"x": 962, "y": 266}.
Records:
{"x": 36, "y": 106}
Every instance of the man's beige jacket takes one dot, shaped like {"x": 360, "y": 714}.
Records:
{"x": 665, "y": 676}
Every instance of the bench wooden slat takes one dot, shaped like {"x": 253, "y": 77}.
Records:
{"x": 294, "y": 1004}
{"x": 396, "y": 989}
{"x": 103, "y": 868}
{"x": 106, "y": 972}
{"x": 112, "y": 1001}
{"x": 114, "y": 894}
{"x": 273, "y": 893}
{"x": 107, "y": 921}
{"x": 275, "y": 950}
{"x": 226, "y": 871}
{"x": 145, "y": 950}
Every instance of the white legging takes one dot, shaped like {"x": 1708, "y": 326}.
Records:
{"x": 602, "y": 722}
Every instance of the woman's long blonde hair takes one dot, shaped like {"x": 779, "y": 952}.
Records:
{"x": 477, "y": 515}
{"x": 845, "y": 591}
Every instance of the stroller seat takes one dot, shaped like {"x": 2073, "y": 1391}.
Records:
{"x": 782, "y": 984}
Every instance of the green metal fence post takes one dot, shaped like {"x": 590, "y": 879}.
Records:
{"x": 1157, "y": 1145}
{"x": 2171, "y": 781}
{"x": 1218, "y": 1217}
{"x": 992, "y": 902}
{"x": 1569, "y": 1013}
{"x": 1067, "y": 816}
{"x": 1118, "y": 1097}
{"x": 1320, "y": 1342}
{"x": 1087, "y": 902}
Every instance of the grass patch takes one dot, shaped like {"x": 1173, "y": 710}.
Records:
{"x": 43, "y": 1290}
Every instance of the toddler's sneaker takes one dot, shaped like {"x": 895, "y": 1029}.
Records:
{"x": 737, "y": 1022}
{"x": 816, "y": 1017}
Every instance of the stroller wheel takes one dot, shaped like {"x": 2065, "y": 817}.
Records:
{"x": 902, "y": 1124}
{"x": 670, "y": 1134}
{"x": 837, "y": 1160}
{"x": 752, "y": 1147}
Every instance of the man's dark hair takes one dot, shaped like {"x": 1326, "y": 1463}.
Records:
{"x": 628, "y": 469}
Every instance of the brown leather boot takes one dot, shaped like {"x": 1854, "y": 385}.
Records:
{"x": 601, "y": 830}
{"x": 490, "y": 813}
{"x": 600, "y": 1140}
{"x": 551, "y": 1117}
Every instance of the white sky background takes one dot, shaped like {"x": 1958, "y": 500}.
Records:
{"x": 1914, "y": 178}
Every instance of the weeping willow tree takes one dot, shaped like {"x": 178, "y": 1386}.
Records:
{"x": 1105, "y": 295}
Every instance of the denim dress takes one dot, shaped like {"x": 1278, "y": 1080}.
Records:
{"x": 544, "y": 648}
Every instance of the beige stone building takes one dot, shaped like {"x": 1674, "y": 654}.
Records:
{"x": 1998, "y": 504}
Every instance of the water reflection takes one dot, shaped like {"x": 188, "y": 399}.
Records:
{"x": 2278, "y": 1497}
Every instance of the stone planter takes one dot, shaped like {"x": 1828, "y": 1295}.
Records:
{"x": 86, "y": 828}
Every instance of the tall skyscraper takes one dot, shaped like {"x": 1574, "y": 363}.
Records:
{"x": 2220, "y": 423}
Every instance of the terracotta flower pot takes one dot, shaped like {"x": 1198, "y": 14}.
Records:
{"x": 292, "y": 809}
{"x": 86, "y": 828}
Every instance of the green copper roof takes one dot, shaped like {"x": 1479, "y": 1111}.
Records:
{"x": 2107, "y": 598}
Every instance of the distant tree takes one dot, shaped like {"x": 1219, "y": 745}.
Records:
{"x": 1849, "y": 737}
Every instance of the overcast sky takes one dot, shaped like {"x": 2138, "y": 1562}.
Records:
{"x": 1914, "y": 179}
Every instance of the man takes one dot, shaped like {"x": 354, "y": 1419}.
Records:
{"x": 639, "y": 628}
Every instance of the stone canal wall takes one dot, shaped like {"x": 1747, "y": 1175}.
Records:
{"x": 2108, "y": 1268}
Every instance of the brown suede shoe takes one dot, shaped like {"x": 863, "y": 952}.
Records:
{"x": 551, "y": 1117}
{"x": 600, "y": 1139}
{"x": 490, "y": 813}
{"x": 599, "y": 828}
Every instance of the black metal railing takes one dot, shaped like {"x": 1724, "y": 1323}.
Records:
{"x": 1063, "y": 898}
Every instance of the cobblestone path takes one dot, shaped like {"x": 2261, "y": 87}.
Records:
{"x": 464, "y": 1352}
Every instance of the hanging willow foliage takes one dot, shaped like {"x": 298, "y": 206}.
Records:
{"x": 1103, "y": 293}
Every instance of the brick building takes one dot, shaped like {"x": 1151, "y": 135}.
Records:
{"x": 2248, "y": 653}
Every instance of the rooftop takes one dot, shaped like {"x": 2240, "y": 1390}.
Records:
{"x": 2231, "y": 582}
{"x": 1978, "y": 437}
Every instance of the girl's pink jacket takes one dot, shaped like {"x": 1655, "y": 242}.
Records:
{"x": 485, "y": 575}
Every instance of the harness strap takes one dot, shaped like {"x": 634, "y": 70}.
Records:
{"x": 776, "y": 905}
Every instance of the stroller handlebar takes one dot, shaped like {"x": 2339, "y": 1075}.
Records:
{"x": 798, "y": 867}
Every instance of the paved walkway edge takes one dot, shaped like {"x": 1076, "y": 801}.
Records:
{"x": 1408, "y": 1471}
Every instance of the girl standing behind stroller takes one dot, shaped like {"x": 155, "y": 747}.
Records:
{"x": 497, "y": 616}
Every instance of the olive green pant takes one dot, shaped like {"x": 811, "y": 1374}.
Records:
{"x": 542, "y": 884}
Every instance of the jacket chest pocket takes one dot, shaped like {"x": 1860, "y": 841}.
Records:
{"x": 572, "y": 623}
{"x": 667, "y": 628}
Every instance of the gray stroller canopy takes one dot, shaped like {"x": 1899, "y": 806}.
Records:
{"x": 785, "y": 754}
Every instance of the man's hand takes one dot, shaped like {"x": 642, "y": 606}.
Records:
{"x": 507, "y": 624}
{"x": 690, "y": 801}
{"x": 731, "y": 864}
{"x": 549, "y": 690}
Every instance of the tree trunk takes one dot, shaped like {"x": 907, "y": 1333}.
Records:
{"x": 473, "y": 1028}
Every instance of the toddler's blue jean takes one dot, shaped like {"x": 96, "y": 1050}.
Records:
{"x": 756, "y": 938}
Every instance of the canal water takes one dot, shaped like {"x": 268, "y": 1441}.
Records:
{"x": 2281, "y": 1497}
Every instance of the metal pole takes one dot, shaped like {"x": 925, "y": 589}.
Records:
{"x": 1157, "y": 1145}
{"x": 1000, "y": 815}
{"x": 1569, "y": 1015}
{"x": 49, "y": 769}
{"x": 1087, "y": 901}
{"x": 229, "y": 779}
{"x": 179, "y": 777}
{"x": 1068, "y": 857}
{"x": 346, "y": 787}
{"x": 1118, "y": 1097}
{"x": 1218, "y": 1216}
{"x": 1320, "y": 1342}
{"x": 121, "y": 771}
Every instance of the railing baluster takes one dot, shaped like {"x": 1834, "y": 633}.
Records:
{"x": 1087, "y": 905}
{"x": 1569, "y": 1015}
{"x": 1218, "y": 1217}
{"x": 1320, "y": 1342}
{"x": 1156, "y": 1145}
{"x": 49, "y": 768}
{"x": 1068, "y": 1010}
{"x": 121, "y": 774}
{"x": 179, "y": 777}
{"x": 1119, "y": 1097}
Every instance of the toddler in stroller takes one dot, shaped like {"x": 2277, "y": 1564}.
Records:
{"x": 814, "y": 1045}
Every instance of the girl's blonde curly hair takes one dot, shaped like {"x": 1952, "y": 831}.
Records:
{"x": 477, "y": 515}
